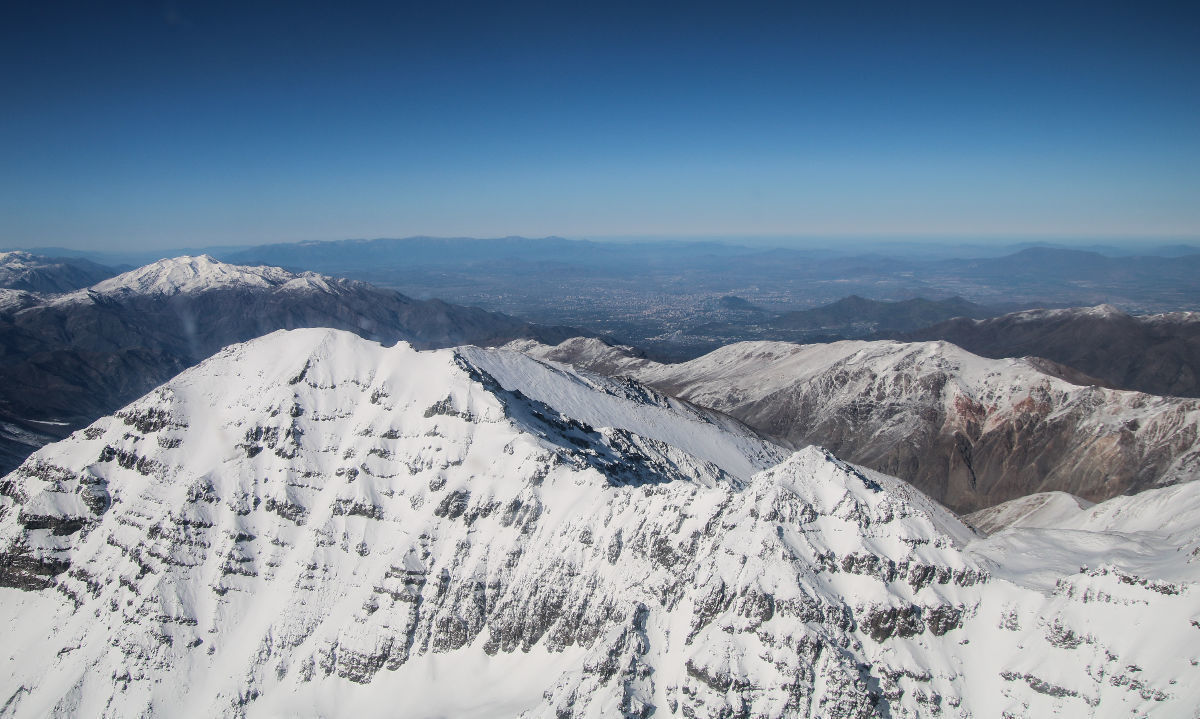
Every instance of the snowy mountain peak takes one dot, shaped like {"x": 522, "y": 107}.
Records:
{"x": 1039, "y": 510}
{"x": 190, "y": 274}
{"x": 311, "y": 524}
{"x": 17, "y": 259}
{"x": 1102, "y": 311}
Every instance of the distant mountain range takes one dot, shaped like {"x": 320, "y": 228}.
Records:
{"x": 1032, "y": 273}
{"x": 665, "y": 296}
{"x": 859, "y": 316}
{"x": 69, "y": 358}
{"x": 1158, "y": 354}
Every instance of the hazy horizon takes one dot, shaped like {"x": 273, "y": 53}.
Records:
{"x": 900, "y": 245}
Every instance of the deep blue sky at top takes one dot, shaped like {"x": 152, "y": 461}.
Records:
{"x": 151, "y": 124}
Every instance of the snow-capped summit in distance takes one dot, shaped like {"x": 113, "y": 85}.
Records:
{"x": 193, "y": 274}
{"x": 202, "y": 273}
{"x": 100, "y": 347}
{"x": 969, "y": 431}
{"x": 312, "y": 524}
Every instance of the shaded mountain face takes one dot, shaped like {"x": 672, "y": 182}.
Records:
{"x": 69, "y": 359}
{"x": 48, "y": 275}
{"x": 857, "y": 316}
{"x": 311, "y": 524}
{"x": 968, "y": 431}
{"x": 1158, "y": 354}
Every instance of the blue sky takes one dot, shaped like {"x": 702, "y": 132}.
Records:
{"x": 150, "y": 124}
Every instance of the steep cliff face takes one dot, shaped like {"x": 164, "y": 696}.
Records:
{"x": 970, "y": 432}
{"x": 312, "y": 524}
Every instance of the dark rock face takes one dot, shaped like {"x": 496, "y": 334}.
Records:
{"x": 1157, "y": 354}
{"x": 65, "y": 363}
{"x": 968, "y": 452}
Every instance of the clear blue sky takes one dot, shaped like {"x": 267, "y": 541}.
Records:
{"x": 150, "y": 124}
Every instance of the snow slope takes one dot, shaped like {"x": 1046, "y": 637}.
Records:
{"x": 311, "y": 524}
{"x": 1152, "y": 532}
{"x": 187, "y": 274}
{"x": 190, "y": 274}
{"x": 1044, "y": 509}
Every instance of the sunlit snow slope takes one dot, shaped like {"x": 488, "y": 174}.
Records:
{"x": 311, "y": 524}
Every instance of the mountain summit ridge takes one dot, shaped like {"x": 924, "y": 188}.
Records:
{"x": 189, "y": 273}
{"x": 968, "y": 430}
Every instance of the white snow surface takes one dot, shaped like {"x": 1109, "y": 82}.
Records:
{"x": 19, "y": 260}
{"x": 188, "y": 274}
{"x": 311, "y": 524}
{"x": 16, "y": 299}
{"x": 1150, "y": 539}
{"x": 1102, "y": 311}
{"x": 1040, "y": 510}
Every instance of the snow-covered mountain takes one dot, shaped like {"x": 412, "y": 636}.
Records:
{"x": 48, "y": 275}
{"x": 1040, "y": 510}
{"x": 970, "y": 432}
{"x": 13, "y": 300}
{"x": 195, "y": 274}
{"x": 311, "y": 524}
{"x": 68, "y": 359}
{"x": 1159, "y": 354}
